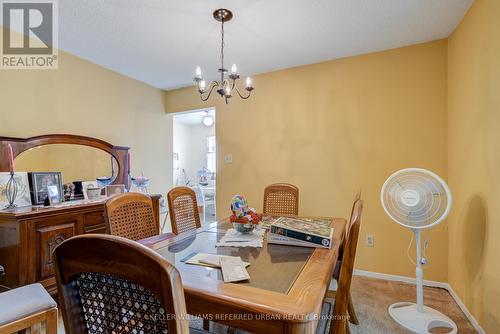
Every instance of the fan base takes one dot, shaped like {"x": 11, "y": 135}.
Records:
{"x": 407, "y": 315}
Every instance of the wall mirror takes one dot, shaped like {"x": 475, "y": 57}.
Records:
{"x": 65, "y": 159}
{"x": 74, "y": 162}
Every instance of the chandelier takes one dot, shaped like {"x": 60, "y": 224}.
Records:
{"x": 227, "y": 86}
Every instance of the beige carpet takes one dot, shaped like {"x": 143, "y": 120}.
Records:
{"x": 372, "y": 297}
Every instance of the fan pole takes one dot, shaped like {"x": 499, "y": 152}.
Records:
{"x": 419, "y": 273}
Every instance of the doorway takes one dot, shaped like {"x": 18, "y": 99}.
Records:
{"x": 195, "y": 158}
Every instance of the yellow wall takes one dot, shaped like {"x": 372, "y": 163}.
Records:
{"x": 474, "y": 161}
{"x": 85, "y": 99}
{"x": 334, "y": 127}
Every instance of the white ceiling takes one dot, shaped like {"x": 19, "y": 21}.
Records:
{"x": 160, "y": 42}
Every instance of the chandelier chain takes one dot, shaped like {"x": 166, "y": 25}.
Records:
{"x": 222, "y": 51}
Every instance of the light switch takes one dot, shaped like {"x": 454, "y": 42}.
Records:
{"x": 228, "y": 159}
{"x": 370, "y": 240}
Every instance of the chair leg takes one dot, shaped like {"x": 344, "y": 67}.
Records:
{"x": 206, "y": 324}
{"x": 339, "y": 326}
{"x": 353, "y": 318}
{"x": 51, "y": 322}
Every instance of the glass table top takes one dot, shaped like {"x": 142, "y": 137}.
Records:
{"x": 272, "y": 267}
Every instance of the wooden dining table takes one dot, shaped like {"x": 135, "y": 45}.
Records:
{"x": 286, "y": 288}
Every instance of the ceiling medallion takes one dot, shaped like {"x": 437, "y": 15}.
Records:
{"x": 227, "y": 86}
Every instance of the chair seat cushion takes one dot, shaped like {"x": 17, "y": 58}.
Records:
{"x": 24, "y": 301}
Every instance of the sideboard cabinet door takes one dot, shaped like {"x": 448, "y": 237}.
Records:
{"x": 44, "y": 235}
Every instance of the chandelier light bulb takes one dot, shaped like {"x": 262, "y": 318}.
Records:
{"x": 202, "y": 85}
{"x": 198, "y": 72}
{"x": 234, "y": 69}
{"x": 228, "y": 91}
{"x": 249, "y": 82}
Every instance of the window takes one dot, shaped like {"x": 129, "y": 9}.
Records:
{"x": 211, "y": 157}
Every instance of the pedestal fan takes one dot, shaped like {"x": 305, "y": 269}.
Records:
{"x": 417, "y": 199}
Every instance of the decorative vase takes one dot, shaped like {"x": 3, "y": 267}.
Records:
{"x": 104, "y": 181}
{"x": 244, "y": 228}
{"x": 142, "y": 183}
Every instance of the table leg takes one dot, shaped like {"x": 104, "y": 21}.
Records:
{"x": 299, "y": 328}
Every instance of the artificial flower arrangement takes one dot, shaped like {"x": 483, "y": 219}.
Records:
{"x": 244, "y": 219}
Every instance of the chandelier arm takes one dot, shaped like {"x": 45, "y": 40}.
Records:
{"x": 213, "y": 84}
{"x": 243, "y": 97}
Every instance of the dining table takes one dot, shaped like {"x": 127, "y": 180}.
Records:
{"x": 285, "y": 291}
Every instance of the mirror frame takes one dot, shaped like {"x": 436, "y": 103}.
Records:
{"x": 20, "y": 145}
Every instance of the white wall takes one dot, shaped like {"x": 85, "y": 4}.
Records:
{"x": 199, "y": 134}
{"x": 190, "y": 143}
{"x": 182, "y": 146}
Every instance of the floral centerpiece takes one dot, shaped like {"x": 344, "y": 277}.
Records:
{"x": 244, "y": 219}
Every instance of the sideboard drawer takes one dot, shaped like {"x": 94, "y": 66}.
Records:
{"x": 94, "y": 222}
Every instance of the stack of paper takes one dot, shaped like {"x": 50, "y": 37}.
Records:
{"x": 232, "y": 238}
{"x": 209, "y": 260}
{"x": 233, "y": 269}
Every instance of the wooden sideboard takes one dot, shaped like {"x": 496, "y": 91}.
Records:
{"x": 29, "y": 235}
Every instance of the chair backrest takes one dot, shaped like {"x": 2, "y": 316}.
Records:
{"x": 356, "y": 198}
{"x": 345, "y": 278}
{"x": 348, "y": 227}
{"x": 131, "y": 216}
{"x": 109, "y": 284}
{"x": 281, "y": 199}
{"x": 184, "y": 214}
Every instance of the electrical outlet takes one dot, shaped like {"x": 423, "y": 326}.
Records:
{"x": 228, "y": 159}
{"x": 370, "y": 240}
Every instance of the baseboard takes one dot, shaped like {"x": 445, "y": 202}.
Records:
{"x": 434, "y": 284}
{"x": 464, "y": 309}
{"x": 398, "y": 278}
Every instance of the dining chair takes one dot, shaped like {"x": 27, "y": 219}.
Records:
{"x": 183, "y": 207}
{"x": 131, "y": 216}
{"x": 353, "y": 318}
{"x": 200, "y": 200}
{"x": 339, "y": 323}
{"x": 281, "y": 199}
{"x": 29, "y": 306}
{"x": 110, "y": 284}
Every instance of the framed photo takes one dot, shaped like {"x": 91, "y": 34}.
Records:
{"x": 23, "y": 189}
{"x": 39, "y": 183}
{"x": 53, "y": 192}
{"x": 115, "y": 189}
